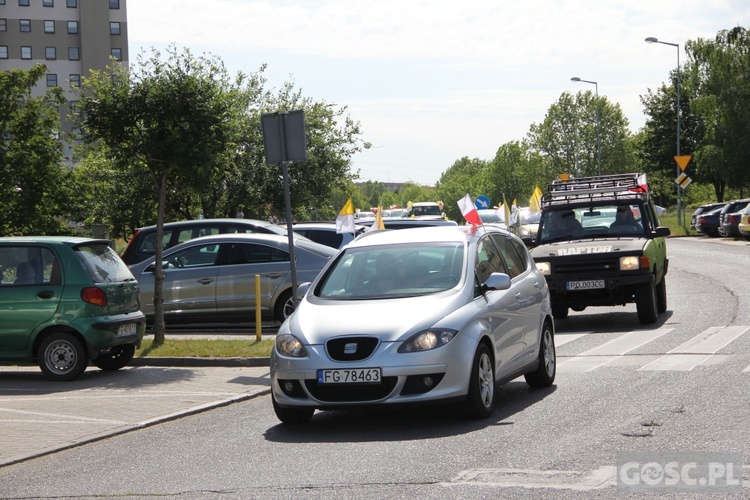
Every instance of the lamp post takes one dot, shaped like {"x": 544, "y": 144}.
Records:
{"x": 653, "y": 39}
{"x": 598, "y": 125}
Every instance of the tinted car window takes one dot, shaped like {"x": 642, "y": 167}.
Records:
{"x": 488, "y": 260}
{"x": 516, "y": 265}
{"x": 28, "y": 265}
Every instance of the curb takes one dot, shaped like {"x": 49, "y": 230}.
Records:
{"x": 200, "y": 362}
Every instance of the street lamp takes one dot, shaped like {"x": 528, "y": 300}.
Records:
{"x": 598, "y": 125}
{"x": 653, "y": 39}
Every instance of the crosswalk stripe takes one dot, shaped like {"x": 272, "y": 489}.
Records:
{"x": 746, "y": 369}
{"x": 563, "y": 339}
{"x": 626, "y": 343}
{"x": 697, "y": 350}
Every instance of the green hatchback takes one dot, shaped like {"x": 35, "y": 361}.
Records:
{"x": 65, "y": 301}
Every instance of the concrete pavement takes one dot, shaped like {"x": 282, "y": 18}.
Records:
{"x": 39, "y": 417}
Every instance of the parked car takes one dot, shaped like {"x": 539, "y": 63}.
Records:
{"x": 708, "y": 222}
{"x": 410, "y": 223}
{"x": 729, "y": 218}
{"x": 492, "y": 216}
{"x": 142, "y": 245}
{"x": 423, "y": 315}
{"x": 325, "y": 233}
{"x": 64, "y": 302}
{"x": 211, "y": 279}
{"x": 702, "y": 210}
{"x": 744, "y": 226}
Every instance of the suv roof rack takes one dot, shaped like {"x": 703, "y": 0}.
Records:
{"x": 582, "y": 189}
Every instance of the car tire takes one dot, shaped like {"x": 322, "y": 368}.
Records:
{"x": 559, "y": 312}
{"x": 661, "y": 295}
{"x": 116, "y": 358}
{"x": 481, "y": 398}
{"x": 645, "y": 303}
{"x": 62, "y": 357}
{"x": 292, "y": 415}
{"x": 284, "y": 307}
{"x": 544, "y": 375}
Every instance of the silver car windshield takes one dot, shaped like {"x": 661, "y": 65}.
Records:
{"x": 393, "y": 271}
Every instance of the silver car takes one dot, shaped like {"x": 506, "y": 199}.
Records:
{"x": 416, "y": 316}
{"x": 211, "y": 279}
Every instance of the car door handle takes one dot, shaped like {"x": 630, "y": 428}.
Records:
{"x": 46, "y": 294}
{"x": 275, "y": 275}
{"x": 519, "y": 297}
{"x": 537, "y": 285}
{"x": 206, "y": 281}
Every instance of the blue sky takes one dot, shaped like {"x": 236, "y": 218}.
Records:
{"x": 433, "y": 81}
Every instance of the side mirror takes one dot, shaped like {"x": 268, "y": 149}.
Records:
{"x": 661, "y": 232}
{"x": 497, "y": 281}
{"x": 302, "y": 289}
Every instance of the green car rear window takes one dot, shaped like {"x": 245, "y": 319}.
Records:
{"x": 103, "y": 264}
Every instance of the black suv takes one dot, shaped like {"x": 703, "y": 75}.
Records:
{"x": 600, "y": 243}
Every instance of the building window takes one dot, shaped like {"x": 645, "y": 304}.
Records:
{"x": 72, "y": 27}
{"x": 114, "y": 4}
{"x": 25, "y": 25}
{"x": 3, "y": 51}
{"x": 73, "y": 54}
{"x": 25, "y": 52}
{"x": 72, "y": 4}
{"x": 3, "y": 24}
{"x": 50, "y": 53}
{"x": 114, "y": 28}
{"x": 48, "y": 3}
{"x": 23, "y": 3}
{"x": 49, "y": 26}
{"x": 75, "y": 80}
{"x": 117, "y": 54}
{"x": 51, "y": 80}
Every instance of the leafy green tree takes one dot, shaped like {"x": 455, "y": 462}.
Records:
{"x": 719, "y": 73}
{"x": 567, "y": 138}
{"x": 32, "y": 176}
{"x": 513, "y": 173}
{"x": 170, "y": 117}
{"x": 466, "y": 175}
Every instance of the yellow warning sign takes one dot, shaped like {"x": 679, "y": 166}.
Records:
{"x": 564, "y": 177}
{"x": 682, "y": 161}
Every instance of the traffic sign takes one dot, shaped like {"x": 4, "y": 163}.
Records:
{"x": 482, "y": 202}
{"x": 683, "y": 180}
{"x": 682, "y": 161}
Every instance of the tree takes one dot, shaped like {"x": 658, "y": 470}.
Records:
{"x": 464, "y": 176}
{"x": 170, "y": 117}
{"x": 567, "y": 138}
{"x": 32, "y": 176}
{"x": 719, "y": 73}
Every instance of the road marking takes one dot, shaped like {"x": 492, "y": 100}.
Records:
{"x": 564, "y": 338}
{"x": 697, "y": 350}
{"x": 603, "y": 477}
{"x": 746, "y": 369}
{"x": 609, "y": 351}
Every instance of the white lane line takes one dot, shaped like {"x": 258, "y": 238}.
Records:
{"x": 562, "y": 339}
{"x": 697, "y": 350}
{"x": 626, "y": 343}
{"x": 580, "y": 364}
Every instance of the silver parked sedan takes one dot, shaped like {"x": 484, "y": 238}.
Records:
{"x": 416, "y": 316}
{"x": 211, "y": 279}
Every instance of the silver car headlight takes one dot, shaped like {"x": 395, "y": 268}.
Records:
{"x": 290, "y": 346}
{"x": 428, "y": 339}
{"x": 544, "y": 268}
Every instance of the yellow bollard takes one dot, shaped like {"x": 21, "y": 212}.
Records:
{"x": 258, "y": 325}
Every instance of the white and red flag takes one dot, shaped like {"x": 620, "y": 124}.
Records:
{"x": 469, "y": 210}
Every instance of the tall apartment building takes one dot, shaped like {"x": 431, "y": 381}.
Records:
{"x": 70, "y": 37}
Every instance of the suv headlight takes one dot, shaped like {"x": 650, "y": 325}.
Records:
{"x": 428, "y": 339}
{"x": 290, "y": 346}
{"x": 544, "y": 268}
{"x": 634, "y": 262}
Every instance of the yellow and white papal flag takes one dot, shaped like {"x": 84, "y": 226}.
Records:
{"x": 378, "y": 224}
{"x": 345, "y": 219}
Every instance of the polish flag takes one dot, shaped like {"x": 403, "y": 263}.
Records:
{"x": 642, "y": 184}
{"x": 468, "y": 210}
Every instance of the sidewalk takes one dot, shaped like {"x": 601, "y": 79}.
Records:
{"x": 39, "y": 417}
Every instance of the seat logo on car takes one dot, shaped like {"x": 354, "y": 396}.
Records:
{"x": 350, "y": 348}
{"x": 584, "y": 250}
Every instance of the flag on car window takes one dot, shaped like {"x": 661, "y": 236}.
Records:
{"x": 469, "y": 210}
{"x": 345, "y": 219}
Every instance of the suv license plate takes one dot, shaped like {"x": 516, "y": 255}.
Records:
{"x": 350, "y": 376}
{"x": 125, "y": 330}
{"x": 584, "y": 285}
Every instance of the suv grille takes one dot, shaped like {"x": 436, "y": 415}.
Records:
{"x": 602, "y": 267}
{"x": 351, "y": 348}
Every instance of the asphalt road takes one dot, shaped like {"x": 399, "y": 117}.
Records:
{"x": 680, "y": 386}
